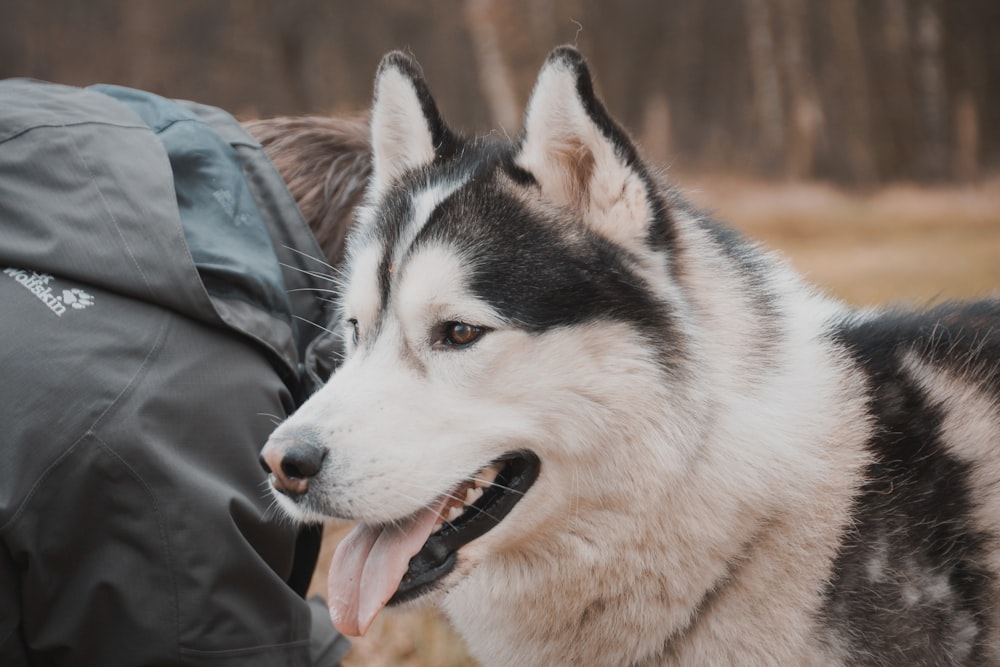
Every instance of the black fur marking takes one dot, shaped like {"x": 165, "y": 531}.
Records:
{"x": 394, "y": 212}
{"x": 964, "y": 338}
{"x": 518, "y": 174}
{"x": 911, "y": 548}
{"x": 535, "y": 276}
{"x": 445, "y": 142}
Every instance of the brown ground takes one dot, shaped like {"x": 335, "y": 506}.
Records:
{"x": 898, "y": 244}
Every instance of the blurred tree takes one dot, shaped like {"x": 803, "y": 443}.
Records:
{"x": 494, "y": 74}
{"x": 858, "y": 91}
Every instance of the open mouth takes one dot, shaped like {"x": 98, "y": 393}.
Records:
{"x": 474, "y": 508}
{"x": 391, "y": 564}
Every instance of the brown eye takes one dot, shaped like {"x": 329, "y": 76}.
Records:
{"x": 459, "y": 334}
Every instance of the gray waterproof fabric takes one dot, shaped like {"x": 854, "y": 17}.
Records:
{"x": 155, "y": 281}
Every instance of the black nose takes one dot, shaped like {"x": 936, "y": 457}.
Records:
{"x": 292, "y": 464}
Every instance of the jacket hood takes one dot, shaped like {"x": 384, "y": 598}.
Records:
{"x": 169, "y": 202}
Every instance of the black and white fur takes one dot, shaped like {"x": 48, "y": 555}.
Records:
{"x": 735, "y": 469}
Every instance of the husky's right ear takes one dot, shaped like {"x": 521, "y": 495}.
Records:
{"x": 406, "y": 128}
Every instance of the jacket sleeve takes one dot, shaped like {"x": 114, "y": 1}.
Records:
{"x": 149, "y": 537}
{"x": 12, "y": 649}
{"x": 328, "y": 645}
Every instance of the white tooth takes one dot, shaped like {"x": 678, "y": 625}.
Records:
{"x": 455, "y": 512}
{"x": 472, "y": 495}
{"x": 486, "y": 476}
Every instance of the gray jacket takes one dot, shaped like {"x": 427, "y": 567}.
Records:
{"x": 156, "y": 280}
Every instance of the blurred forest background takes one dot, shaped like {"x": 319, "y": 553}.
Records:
{"x": 856, "y": 91}
{"x": 860, "y": 138}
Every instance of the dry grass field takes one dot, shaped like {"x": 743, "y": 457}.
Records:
{"x": 897, "y": 244}
{"x": 900, "y": 244}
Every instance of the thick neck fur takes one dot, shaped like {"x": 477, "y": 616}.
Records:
{"x": 733, "y": 544}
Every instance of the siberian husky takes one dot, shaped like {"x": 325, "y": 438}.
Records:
{"x": 598, "y": 428}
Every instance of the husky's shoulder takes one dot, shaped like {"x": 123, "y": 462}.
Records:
{"x": 923, "y": 540}
{"x": 958, "y": 337}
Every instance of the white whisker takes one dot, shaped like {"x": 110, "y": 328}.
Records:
{"x": 316, "y": 274}
{"x": 499, "y": 486}
{"x": 318, "y": 326}
{"x": 315, "y": 289}
{"x": 275, "y": 419}
{"x": 313, "y": 258}
{"x": 507, "y": 489}
{"x": 451, "y": 496}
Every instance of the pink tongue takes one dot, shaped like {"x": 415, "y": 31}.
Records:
{"x": 369, "y": 564}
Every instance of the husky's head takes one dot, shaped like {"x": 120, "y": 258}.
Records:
{"x": 508, "y": 314}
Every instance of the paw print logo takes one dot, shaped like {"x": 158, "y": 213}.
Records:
{"x": 77, "y": 298}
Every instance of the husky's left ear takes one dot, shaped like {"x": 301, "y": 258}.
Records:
{"x": 407, "y": 130}
{"x": 581, "y": 157}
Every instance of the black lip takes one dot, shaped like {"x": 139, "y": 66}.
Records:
{"x": 438, "y": 556}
